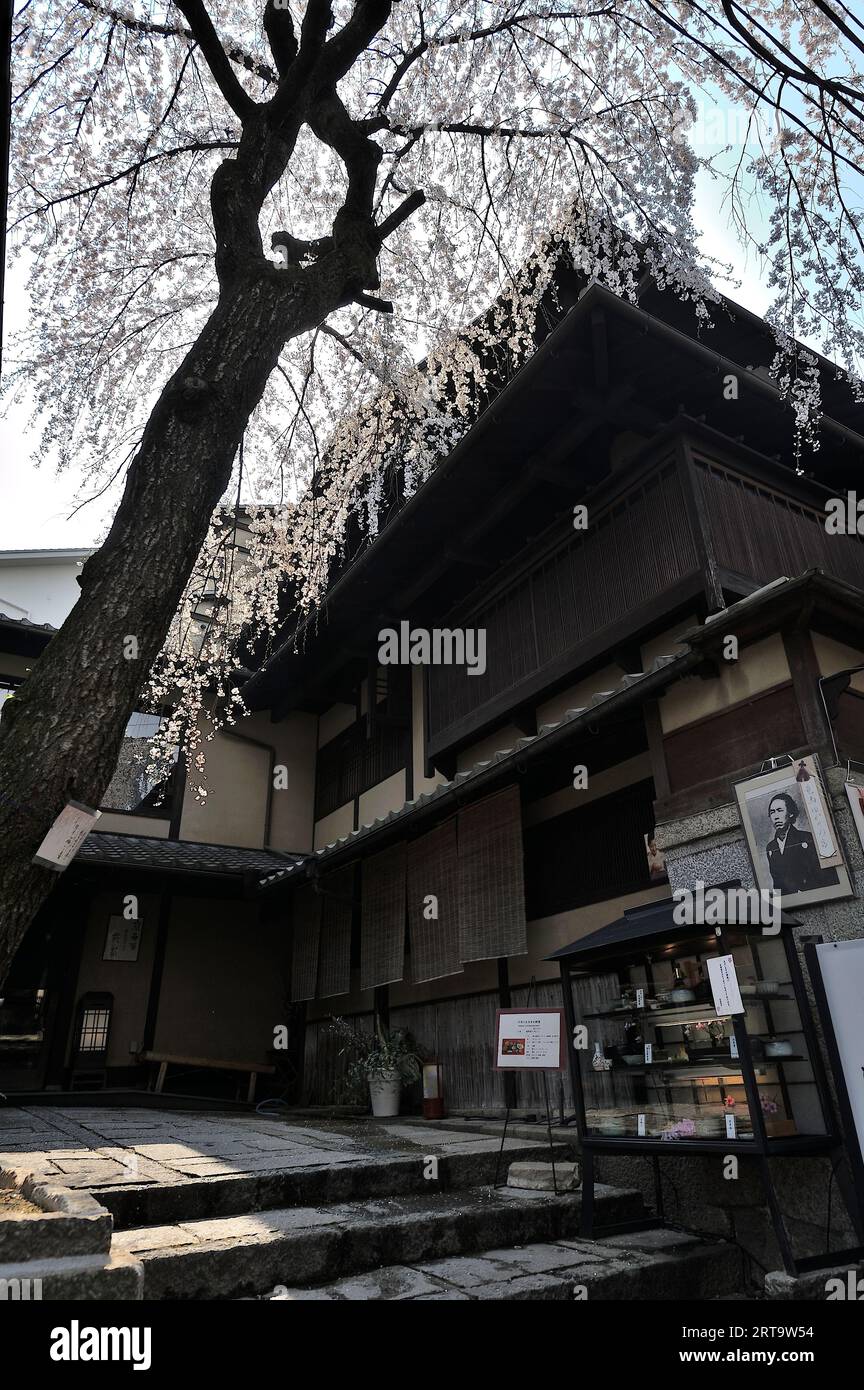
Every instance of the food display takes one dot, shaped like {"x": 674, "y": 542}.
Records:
{"x": 657, "y": 1061}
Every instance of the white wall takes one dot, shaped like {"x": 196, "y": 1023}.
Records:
{"x": 40, "y": 586}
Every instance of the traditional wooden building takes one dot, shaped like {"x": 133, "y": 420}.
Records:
{"x": 440, "y": 829}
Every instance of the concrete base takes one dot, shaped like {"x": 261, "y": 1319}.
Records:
{"x": 543, "y": 1177}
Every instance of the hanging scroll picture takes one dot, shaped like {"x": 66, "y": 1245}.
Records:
{"x": 656, "y": 860}
{"x": 122, "y": 939}
{"x": 855, "y": 793}
{"x": 791, "y": 835}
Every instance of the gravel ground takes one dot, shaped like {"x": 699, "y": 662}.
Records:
{"x": 13, "y": 1204}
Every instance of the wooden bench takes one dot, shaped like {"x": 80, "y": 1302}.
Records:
{"x": 170, "y": 1059}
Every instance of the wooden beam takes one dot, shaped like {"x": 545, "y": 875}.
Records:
{"x": 445, "y": 763}
{"x": 628, "y": 655}
{"x": 471, "y": 559}
{"x": 803, "y": 663}
{"x": 600, "y": 346}
{"x": 657, "y": 753}
{"x": 525, "y": 719}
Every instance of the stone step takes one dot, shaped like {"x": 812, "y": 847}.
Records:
{"x": 80, "y": 1278}
{"x": 298, "y": 1246}
{"x": 470, "y": 1164}
{"x": 655, "y": 1264}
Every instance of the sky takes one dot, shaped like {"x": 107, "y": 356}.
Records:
{"x": 38, "y": 506}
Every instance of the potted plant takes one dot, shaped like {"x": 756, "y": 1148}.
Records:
{"x": 381, "y": 1060}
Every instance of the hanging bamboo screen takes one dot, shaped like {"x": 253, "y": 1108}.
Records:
{"x": 334, "y": 958}
{"x": 432, "y": 870}
{"x": 382, "y": 922}
{"x": 304, "y": 955}
{"x": 491, "y": 887}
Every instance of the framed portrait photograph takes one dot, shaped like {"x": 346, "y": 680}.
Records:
{"x": 791, "y": 835}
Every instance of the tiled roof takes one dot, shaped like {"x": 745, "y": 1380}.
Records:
{"x": 677, "y": 664}
{"x": 25, "y": 625}
{"x": 179, "y": 856}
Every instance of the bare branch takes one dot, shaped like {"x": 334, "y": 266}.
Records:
{"x": 279, "y": 28}
{"x": 236, "y": 54}
{"x": 131, "y": 169}
{"x": 217, "y": 59}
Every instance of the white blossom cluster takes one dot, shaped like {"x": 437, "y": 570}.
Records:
{"x": 540, "y": 133}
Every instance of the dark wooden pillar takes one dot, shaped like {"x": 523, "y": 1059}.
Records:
{"x": 804, "y": 666}
{"x": 159, "y": 949}
{"x": 381, "y": 1005}
{"x": 69, "y": 909}
{"x": 504, "y": 1002}
{"x": 654, "y": 733}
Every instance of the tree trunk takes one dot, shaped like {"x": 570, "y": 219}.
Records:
{"x": 66, "y": 727}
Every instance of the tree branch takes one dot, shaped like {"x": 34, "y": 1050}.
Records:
{"x": 313, "y": 30}
{"x": 235, "y": 53}
{"x": 401, "y": 214}
{"x": 216, "y": 58}
{"x": 279, "y": 28}
{"x": 199, "y": 147}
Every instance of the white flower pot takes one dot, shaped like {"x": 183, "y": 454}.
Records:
{"x": 385, "y": 1090}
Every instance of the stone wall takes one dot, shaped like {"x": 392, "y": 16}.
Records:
{"x": 696, "y": 1195}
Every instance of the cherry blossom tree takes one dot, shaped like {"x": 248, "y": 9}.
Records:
{"x": 248, "y": 224}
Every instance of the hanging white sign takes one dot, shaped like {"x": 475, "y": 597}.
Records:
{"x": 66, "y": 836}
{"x": 724, "y": 986}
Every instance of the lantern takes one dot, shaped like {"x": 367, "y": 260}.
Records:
{"x": 433, "y": 1090}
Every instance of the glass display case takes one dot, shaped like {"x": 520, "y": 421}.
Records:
{"x": 655, "y": 1067}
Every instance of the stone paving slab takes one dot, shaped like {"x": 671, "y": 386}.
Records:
{"x": 104, "y": 1147}
{"x": 545, "y": 1271}
{"x": 397, "y": 1283}
{"x": 437, "y": 1139}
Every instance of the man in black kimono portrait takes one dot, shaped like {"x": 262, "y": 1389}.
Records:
{"x": 792, "y": 855}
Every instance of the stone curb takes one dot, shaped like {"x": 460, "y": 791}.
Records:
{"x": 76, "y": 1278}
{"x": 71, "y": 1223}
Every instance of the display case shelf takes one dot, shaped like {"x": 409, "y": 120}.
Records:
{"x": 780, "y": 1105}
{"x": 777, "y": 1097}
{"x": 646, "y": 1011}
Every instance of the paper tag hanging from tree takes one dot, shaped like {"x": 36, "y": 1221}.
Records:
{"x": 66, "y": 836}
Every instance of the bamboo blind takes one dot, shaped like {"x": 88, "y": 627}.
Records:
{"x": 382, "y": 921}
{"x": 307, "y": 935}
{"x": 491, "y": 884}
{"x": 334, "y": 958}
{"x": 432, "y": 870}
